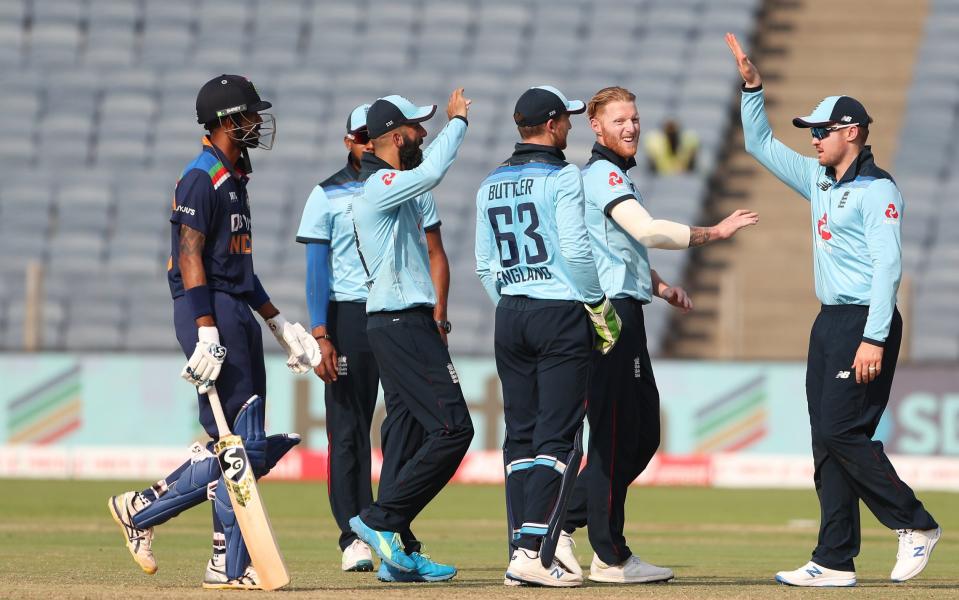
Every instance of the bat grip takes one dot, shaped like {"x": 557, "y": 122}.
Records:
{"x": 221, "y": 425}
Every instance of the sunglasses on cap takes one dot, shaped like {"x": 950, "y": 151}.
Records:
{"x": 359, "y": 137}
{"x": 821, "y": 133}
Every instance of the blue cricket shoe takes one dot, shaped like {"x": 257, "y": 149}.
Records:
{"x": 386, "y": 544}
{"x": 426, "y": 571}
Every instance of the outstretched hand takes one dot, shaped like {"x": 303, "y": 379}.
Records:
{"x": 458, "y": 105}
{"x": 747, "y": 69}
{"x": 737, "y": 220}
{"x": 677, "y": 296}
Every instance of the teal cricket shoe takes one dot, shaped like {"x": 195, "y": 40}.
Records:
{"x": 386, "y": 544}
{"x": 426, "y": 571}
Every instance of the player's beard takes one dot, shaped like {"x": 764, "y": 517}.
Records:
{"x": 615, "y": 143}
{"x": 411, "y": 154}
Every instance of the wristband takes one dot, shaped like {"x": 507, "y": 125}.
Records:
{"x": 198, "y": 299}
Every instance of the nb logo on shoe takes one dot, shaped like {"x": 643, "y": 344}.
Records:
{"x": 556, "y": 572}
{"x": 814, "y": 571}
{"x": 842, "y": 375}
{"x": 919, "y": 551}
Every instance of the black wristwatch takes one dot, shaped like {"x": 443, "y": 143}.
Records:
{"x": 445, "y": 326}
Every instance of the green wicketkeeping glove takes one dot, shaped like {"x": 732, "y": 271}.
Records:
{"x": 606, "y": 323}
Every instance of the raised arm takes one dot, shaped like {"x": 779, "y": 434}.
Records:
{"x": 791, "y": 167}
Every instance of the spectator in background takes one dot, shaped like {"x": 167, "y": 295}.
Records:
{"x": 671, "y": 150}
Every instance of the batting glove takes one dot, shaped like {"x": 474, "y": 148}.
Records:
{"x": 204, "y": 366}
{"x": 606, "y": 323}
{"x": 302, "y": 349}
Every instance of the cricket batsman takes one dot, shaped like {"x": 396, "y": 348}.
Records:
{"x": 214, "y": 288}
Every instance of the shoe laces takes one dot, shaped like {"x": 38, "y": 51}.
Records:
{"x": 905, "y": 541}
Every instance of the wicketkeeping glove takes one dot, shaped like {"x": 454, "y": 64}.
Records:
{"x": 606, "y": 323}
{"x": 204, "y": 366}
{"x": 302, "y": 349}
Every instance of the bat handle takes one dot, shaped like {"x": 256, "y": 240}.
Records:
{"x": 221, "y": 425}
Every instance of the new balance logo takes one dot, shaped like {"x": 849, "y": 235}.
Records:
{"x": 919, "y": 551}
{"x": 843, "y": 374}
{"x": 814, "y": 571}
{"x": 556, "y": 572}
{"x": 824, "y": 185}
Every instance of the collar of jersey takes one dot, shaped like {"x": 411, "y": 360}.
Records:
{"x": 522, "y": 148}
{"x": 601, "y": 152}
{"x": 863, "y": 162}
{"x": 371, "y": 163}
{"x": 209, "y": 147}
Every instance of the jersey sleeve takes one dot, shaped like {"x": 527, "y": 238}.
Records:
{"x": 431, "y": 218}
{"x": 194, "y": 201}
{"x": 882, "y": 211}
{"x": 605, "y": 186}
{"x": 388, "y": 188}
{"x": 485, "y": 251}
{"x": 574, "y": 242}
{"x": 316, "y": 224}
{"x": 791, "y": 167}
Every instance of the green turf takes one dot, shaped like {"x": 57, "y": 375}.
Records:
{"x": 58, "y": 541}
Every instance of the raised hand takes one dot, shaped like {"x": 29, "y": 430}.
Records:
{"x": 747, "y": 69}
{"x": 458, "y": 105}
{"x": 736, "y": 221}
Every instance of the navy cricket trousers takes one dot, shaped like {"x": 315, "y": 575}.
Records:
{"x": 843, "y": 416}
{"x": 543, "y": 350}
{"x": 243, "y": 373}
{"x": 427, "y": 428}
{"x": 350, "y": 401}
{"x": 624, "y": 434}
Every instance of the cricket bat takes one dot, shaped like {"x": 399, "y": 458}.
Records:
{"x": 250, "y": 511}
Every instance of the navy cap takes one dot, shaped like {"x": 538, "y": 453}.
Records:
{"x": 226, "y": 95}
{"x": 357, "y": 120}
{"x": 842, "y": 110}
{"x": 386, "y": 114}
{"x": 542, "y": 103}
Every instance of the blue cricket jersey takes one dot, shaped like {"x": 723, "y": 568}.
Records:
{"x": 531, "y": 235}
{"x": 388, "y": 211}
{"x": 211, "y": 198}
{"x": 856, "y": 221}
{"x": 622, "y": 262}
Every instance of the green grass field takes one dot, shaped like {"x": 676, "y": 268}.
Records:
{"x": 57, "y": 540}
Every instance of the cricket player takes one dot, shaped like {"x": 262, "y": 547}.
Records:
{"x": 856, "y": 222}
{"x": 534, "y": 259}
{"x": 428, "y": 427}
{"x": 623, "y": 409}
{"x": 336, "y": 296}
{"x": 214, "y": 286}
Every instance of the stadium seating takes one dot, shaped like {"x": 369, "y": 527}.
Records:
{"x": 927, "y": 170}
{"x": 100, "y": 118}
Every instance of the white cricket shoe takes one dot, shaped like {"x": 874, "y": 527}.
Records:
{"x": 511, "y": 582}
{"x": 631, "y": 570}
{"x": 215, "y": 576}
{"x": 525, "y": 567}
{"x": 139, "y": 541}
{"x": 915, "y": 546}
{"x": 813, "y": 575}
{"x": 357, "y": 557}
{"x": 565, "y": 554}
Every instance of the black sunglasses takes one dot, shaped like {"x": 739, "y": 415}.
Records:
{"x": 359, "y": 137}
{"x": 821, "y": 133}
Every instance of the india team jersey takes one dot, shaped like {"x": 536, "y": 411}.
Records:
{"x": 622, "y": 262}
{"x": 211, "y": 198}
{"x": 328, "y": 219}
{"x": 388, "y": 210}
{"x": 856, "y": 222}
{"x": 531, "y": 239}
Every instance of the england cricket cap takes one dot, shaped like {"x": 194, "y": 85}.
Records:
{"x": 841, "y": 110}
{"x": 542, "y": 103}
{"x": 386, "y": 114}
{"x": 227, "y": 95}
{"x": 357, "y": 120}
